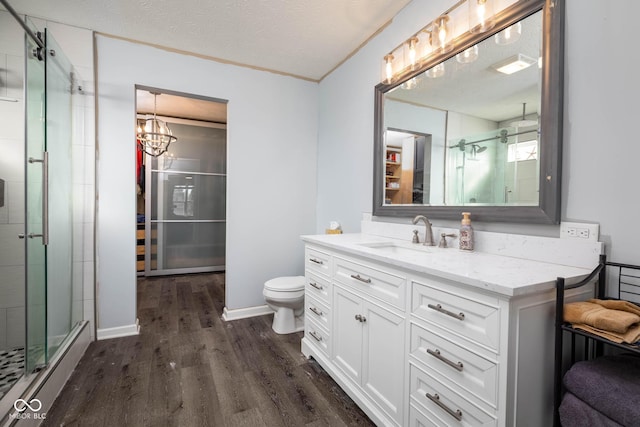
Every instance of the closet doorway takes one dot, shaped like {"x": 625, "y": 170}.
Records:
{"x": 181, "y": 209}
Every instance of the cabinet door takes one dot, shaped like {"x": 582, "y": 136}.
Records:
{"x": 383, "y": 359}
{"x": 347, "y": 333}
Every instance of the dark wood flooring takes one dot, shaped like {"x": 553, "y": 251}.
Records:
{"x": 190, "y": 368}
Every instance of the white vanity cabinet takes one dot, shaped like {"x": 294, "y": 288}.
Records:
{"x": 318, "y": 300}
{"x": 444, "y": 340}
{"x": 355, "y": 328}
{"x": 454, "y": 354}
{"x": 368, "y": 345}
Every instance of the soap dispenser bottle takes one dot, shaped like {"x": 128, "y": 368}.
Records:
{"x": 466, "y": 232}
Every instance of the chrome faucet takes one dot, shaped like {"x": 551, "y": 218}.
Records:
{"x": 428, "y": 234}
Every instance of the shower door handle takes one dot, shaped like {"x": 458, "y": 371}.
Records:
{"x": 45, "y": 197}
{"x": 30, "y": 235}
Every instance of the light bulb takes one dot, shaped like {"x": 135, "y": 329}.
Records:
{"x": 480, "y": 15}
{"x": 481, "y": 10}
{"x": 412, "y": 51}
{"x": 139, "y": 129}
{"x": 442, "y": 26}
{"x": 389, "y": 67}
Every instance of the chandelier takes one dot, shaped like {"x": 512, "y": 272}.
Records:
{"x": 155, "y": 137}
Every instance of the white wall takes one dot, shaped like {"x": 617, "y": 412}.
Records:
{"x": 600, "y": 152}
{"x": 271, "y": 182}
{"x": 345, "y": 141}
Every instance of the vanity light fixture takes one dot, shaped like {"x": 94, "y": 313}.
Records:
{"x": 509, "y": 35}
{"x": 155, "y": 138}
{"x": 514, "y": 63}
{"x": 480, "y": 15}
{"x": 437, "y": 38}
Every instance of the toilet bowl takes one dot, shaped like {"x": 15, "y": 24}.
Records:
{"x": 285, "y": 296}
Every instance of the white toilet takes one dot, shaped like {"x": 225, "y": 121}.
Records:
{"x": 285, "y": 296}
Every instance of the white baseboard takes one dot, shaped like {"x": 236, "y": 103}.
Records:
{"x": 120, "y": 331}
{"x": 243, "y": 313}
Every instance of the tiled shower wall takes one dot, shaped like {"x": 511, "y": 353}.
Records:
{"x": 12, "y": 261}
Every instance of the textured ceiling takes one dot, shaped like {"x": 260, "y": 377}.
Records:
{"x": 305, "y": 38}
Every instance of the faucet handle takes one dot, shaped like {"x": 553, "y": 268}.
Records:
{"x": 415, "y": 239}
{"x": 443, "y": 239}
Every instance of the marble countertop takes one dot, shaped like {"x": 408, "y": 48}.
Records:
{"x": 504, "y": 275}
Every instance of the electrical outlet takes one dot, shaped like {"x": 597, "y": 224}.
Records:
{"x": 579, "y": 230}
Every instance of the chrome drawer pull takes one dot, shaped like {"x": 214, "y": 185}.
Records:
{"x": 363, "y": 280}
{"x": 317, "y": 261}
{"x": 457, "y": 414}
{"x": 314, "y": 335}
{"x": 315, "y": 285}
{"x": 316, "y": 311}
{"x": 436, "y": 353}
{"x": 447, "y": 312}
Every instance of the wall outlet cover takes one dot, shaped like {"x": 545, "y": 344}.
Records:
{"x": 580, "y": 231}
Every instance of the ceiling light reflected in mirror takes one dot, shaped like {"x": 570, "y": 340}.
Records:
{"x": 514, "y": 63}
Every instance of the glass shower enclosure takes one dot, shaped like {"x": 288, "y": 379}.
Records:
{"x": 41, "y": 195}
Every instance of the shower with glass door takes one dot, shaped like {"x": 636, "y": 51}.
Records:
{"x": 40, "y": 309}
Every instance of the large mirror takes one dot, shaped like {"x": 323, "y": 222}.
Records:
{"x": 478, "y": 129}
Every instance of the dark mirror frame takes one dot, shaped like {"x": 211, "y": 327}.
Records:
{"x": 551, "y": 129}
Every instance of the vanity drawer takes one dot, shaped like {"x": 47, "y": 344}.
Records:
{"x": 443, "y": 405}
{"x": 418, "y": 418}
{"x": 317, "y": 311}
{"x": 460, "y": 368}
{"x": 384, "y": 285}
{"x": 318, "y": 287}
{"x": 317, "y": 261}
{"x": 317, "y": 336}
{"x": 463, "y": 313}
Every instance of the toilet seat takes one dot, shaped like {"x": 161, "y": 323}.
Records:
{"x": 285, "y": 284}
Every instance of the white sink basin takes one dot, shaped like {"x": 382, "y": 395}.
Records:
{"x": 393, "y": 248}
